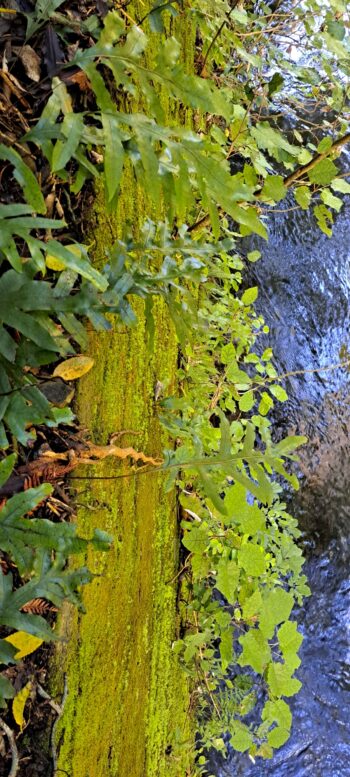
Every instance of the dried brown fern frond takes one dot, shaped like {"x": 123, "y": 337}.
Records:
{"x": 39, "y": 607}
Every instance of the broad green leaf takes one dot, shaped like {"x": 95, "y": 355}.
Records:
{"x": 272, "y": 140}
{"x": 278, "y": 392}
{"x": 248, "y": 217}
{"x": 241, "y": 737}
{"x": 193, "y": 642}
{"x": 290, "y": 640}
{"x": 11, "y": 603}
{"x": 323, "y": 172}
{"x": 278, "y": 736}
{"x": 336, "y": 29}
{"x": 303, "y": 195}
{"x": 196, "y": 540}
{"x": 252, "y": 605}
{"x": 276, "y": 608}
{"x": 265, "y": 404}
{"x": 250, "y": 295}
{"x": 251, "y": 558}
{"x": 226, "y": 649}
{"x": 256, "y": 651}
{"x": 335, "y": 46}
{"x": 249, "y": 518}
{"x": 237, "y": 376}
{"x": 278, "y": 712}
{"x": 30, "y": 328}
{"x": 329, "y": 199}
{"x": 324, "y": 218}
{"x": 275, "y": 84}
{"x": 304, "y": 157}
{"x": 324, "y": 145}
{"x": 274, "y": 188}
{"x": 253, "y": 256}
{"x": 246, "y": 401}
{"x": 227, "y": 579}
{"x": 281, "y": 682}
{"x": 340, "y": 185}
{"x": 113, "y": 29}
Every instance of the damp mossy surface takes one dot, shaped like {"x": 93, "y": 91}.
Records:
{"x": 126, "y": 693}
{"x": 127, "y": 708}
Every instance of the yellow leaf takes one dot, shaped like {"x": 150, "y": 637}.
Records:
{"x": 19, "y": 704}
{"x": 54, "y": 263}
{"x": 25, "y": 643}
{"x": 73, "y": 368}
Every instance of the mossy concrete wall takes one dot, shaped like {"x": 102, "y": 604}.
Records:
{"x": 127, "y": 698}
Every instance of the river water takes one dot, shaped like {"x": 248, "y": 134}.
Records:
{"x": 304, "y": 294}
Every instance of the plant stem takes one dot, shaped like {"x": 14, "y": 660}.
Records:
{"x": 217, "y": 34}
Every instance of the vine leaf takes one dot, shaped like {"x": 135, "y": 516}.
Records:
{"x": 256, "y": 651}
{"x": 281, "y": 681}
{"x": 227, "y": 579}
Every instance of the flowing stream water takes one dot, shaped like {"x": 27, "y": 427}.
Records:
{"x": 304, "y": 294}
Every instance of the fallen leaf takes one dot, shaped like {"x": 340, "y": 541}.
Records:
{"x": 25, "y": 643}
{"x": 73, "y": 368}
{"x": 57, "y": 392}
{"x": 19, "y": 704}
{"x": 30, "y": 61}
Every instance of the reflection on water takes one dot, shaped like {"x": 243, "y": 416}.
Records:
{"x": 304, "y": 281}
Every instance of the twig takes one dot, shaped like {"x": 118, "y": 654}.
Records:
{"x": 185, "y": 566}
{"x": 41, "y": 692}
{"x": 14, "y": 752}
{"x": 218, "y": 32}
{"x": 316, "y": 159}
{"x": 205, "y": 220}
{"x": 329, "y": 368}
{"x": 53, "y": 730}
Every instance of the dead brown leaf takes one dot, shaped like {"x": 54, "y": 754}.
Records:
{"x": 30, "y": 61}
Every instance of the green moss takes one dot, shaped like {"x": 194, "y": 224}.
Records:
{"x": 127, "y": 695}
